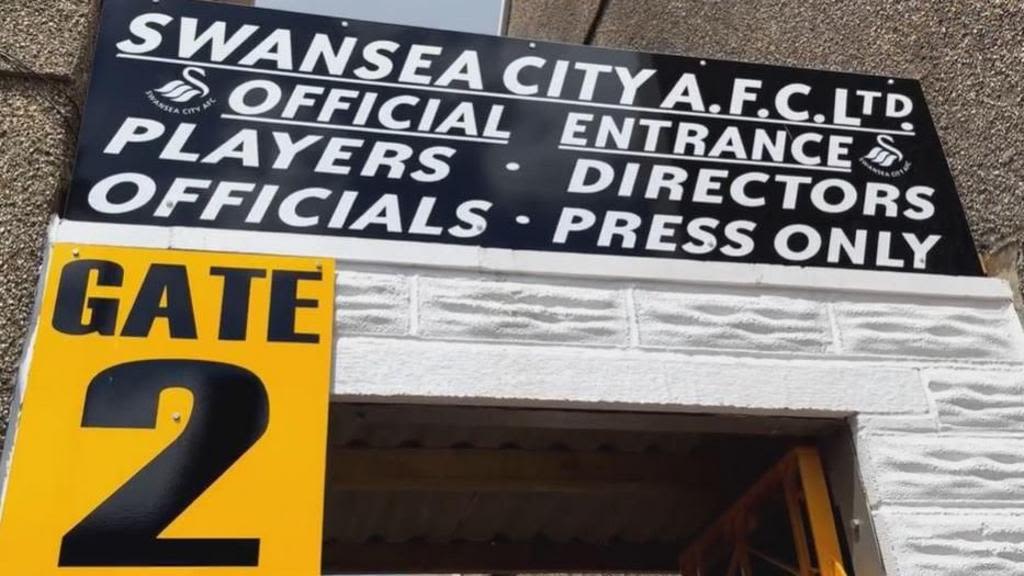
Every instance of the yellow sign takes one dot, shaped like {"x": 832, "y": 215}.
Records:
{"x": 175, "y": 417}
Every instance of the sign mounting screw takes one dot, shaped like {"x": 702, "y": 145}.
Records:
{"x": 176, "y": 416}
{"x": 74, "y": 252}
{"x": 533, "y": 45}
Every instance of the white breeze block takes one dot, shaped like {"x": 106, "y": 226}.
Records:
{"x": 951, "y": 543}
{"x": 371, "y": 303}
{"x": 685, "y": 319}
{"x": 492, "y": 309}
{"x": 985, "y": 330}
{"x": 983, "y": 402}
{"x": 944, "y": 470}
{"x": 381, "y": 369}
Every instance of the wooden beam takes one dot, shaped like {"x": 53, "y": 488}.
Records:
{"x": 418, "y": 469}
{"x": 553, "y": 419}
{"x": 497, "y": 558}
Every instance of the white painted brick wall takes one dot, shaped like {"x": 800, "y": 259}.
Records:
{"x": 981, "y": 402}
{"x": 952, "y": 470}
{"x": 982, "y": 331}
{"x": 954, "y": 543}
{"x": 413, "y": 369}
{"x": 372, "y": 303}
{"x": 947, "y": 488}
{"x": 494, "y": 309}
{"x": 683, "y": 319}
{"x": 934, "y": 382}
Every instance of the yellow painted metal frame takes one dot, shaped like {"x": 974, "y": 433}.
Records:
{"x": 801, "y": 477}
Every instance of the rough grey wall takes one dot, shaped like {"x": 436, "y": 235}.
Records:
{"x": 554, "y": 20}
{"x": 43, "y": 48}
{"x": 968, "y": 54}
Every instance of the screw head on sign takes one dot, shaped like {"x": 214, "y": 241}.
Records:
{"x": 74, "y": 252}
{"x": 176, "y": 416}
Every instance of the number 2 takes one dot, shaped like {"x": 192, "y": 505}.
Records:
{"x": 229, "y": 414}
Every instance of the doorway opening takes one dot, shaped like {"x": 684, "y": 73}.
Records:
{"x": 481, "y": 490}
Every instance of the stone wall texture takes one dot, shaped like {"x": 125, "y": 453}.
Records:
{"x": 44, "y": 52}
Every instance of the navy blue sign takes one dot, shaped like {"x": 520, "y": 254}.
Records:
{"x": 214, "y": 116}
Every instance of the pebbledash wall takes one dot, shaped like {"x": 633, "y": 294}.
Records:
{"x": 928, "y": 370}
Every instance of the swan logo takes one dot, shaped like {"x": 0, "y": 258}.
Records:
{"x": 186, "y": 95}
{"x": 885, "y": 159}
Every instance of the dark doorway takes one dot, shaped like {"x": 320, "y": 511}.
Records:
{"x": 432, "y": 489}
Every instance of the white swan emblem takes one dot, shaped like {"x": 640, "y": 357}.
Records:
{"x": 885, "y": 154}
{"x": 186, "y": 89}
